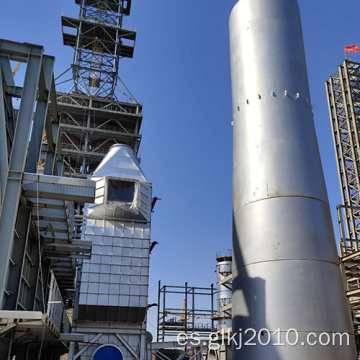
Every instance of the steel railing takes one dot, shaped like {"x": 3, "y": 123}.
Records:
{"x": 56, "y": 308}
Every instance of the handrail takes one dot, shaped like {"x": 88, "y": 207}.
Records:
{"x": 56, "y": 308}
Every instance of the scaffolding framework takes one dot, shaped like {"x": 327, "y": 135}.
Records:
{"x": 343, "y": 94}
{"x": 90, "y": 126}
{"x": 189, "y": 318}
{"x": 38, "y": 250}
{"x": 98, "y": 110}
{"x": 99, "y": 41}
{"x": 48, "y": 135}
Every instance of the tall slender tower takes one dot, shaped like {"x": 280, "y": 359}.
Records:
{"x": 223, "y": 270}
{"x": 286, "y": 276}
{"x": 343, "y": 93}
{"x": 97, "y": 110}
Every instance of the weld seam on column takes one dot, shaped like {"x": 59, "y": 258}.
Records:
{"x": 277, "y": 260}
{"x": 283, "y": 196}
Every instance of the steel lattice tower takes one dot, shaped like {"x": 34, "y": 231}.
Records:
{"x": 343, "y": 93}
{"x": 98, "y": 110}
{"x": 99, "y": 43}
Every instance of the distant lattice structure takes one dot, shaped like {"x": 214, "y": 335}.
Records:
{"x": 98, "y": 110}
{"x": 343, "y": 92}
{"x": 99, "y": 41}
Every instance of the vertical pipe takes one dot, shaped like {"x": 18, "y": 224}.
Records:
{"x": 285, "y": 264}
{"x": 186, "y": 309}
{"x": 158, "y": 316}
{"x": 212, "y": 307}
{"x": 10, "y": 344}
{"x": 164, "y": 314}
{"x": 193, "y": 309}
{"x": 3, "y": 143}
{"x": 143, "y": 342}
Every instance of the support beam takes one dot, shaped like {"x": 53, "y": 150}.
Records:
{"x": 6, "y": 68}
{"x": 58, "y": 188}
{"x": 93, "y": 341}
{"x": 17, "y": 256}
{"x": 41, "y": 115}
{"x": 18, "y": 157}
{"x": 4, "y": 159}
{"x": 131, "y": 350}
{"x": 71, "y": 337}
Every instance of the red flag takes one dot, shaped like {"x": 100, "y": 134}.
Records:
{"x": 352, "y": 48}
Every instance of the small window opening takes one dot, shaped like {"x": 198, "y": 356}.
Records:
{"x": 120, "y": 190}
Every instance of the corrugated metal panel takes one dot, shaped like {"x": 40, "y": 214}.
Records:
{"x": 49, "y": 202}
{"x": 58, "y": 189}
{"x": 50, "y": 213}
{"x": 115, "y": 280}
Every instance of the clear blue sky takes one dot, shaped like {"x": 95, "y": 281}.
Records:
{"x": 181, "y": 73}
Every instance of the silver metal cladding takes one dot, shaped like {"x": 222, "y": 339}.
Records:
{"x": 285, "y": 264}
{"x": 223, "y": 269}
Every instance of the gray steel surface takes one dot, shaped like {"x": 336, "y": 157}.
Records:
{"x": 224, "y": 292}
{"x": 16, "y": 165}
{"x": 118, "y": 273}
{"x": 285, "y": 263}
{"x": 113, "y": 290}
{"x": 36, "y": 231}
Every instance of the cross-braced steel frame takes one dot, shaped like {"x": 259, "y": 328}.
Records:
{"x": 343, "y": 91}
{"x": 99, "y": 41}
{"x": 24, "y": 267}
{"x": 37, "y": 241}
{"x": 90, "y": 126}
{"x": 343, "y": 94}
{"x": 98, "y": 110}
{"x": 190, "y": 317}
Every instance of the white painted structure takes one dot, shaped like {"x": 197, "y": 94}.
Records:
{"x": 113, "y": 292}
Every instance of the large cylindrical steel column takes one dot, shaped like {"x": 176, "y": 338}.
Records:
{"x": 285, "y": 264}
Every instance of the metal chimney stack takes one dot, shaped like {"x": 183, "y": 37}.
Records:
{"x": 285, "y": 264}
{"x": 224, "y": 293}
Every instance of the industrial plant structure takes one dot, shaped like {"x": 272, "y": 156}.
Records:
{"x": 37, "y": 220}
{"x": 58, "y": 254}
{"x": 343, "y": 93}
{"x": 191, "y": 317}
{"x": 98, "y": 110}
{"x": 111, "y": 302}
{"x": 75, "y": 205}
{"x": 224, "y": 293}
